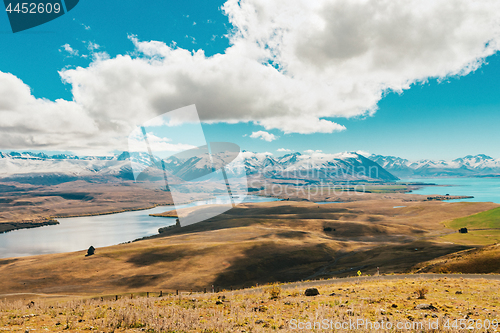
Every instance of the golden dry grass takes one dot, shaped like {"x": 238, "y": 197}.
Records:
{"x": 477, "y": 260}
{"x": 453, "y": 301}
{"x": 254, "y": 243}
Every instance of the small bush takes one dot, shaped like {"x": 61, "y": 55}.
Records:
{"x": 274, "y": 291}
{"x": 421, "y": 292}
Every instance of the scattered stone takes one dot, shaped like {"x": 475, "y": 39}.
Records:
{"x": 426, "y": 307}
{"x": 394, "y": 306}
{"x": 29, "y": 315}
{"x": 218, "y": 302}
{"x": 458, "y": 292}
{"x": 260, "y": 308}
{"x": 90, "y": 251}
{"x": 332, "y": 294}
{"x": 311, "y": 292}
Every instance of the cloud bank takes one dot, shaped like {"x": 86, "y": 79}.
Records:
{"x": 293, "y": 65}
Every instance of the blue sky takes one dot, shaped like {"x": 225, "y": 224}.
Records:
{"x": 436, "y": 119}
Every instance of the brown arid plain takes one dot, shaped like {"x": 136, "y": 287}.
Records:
{"x": 383, "y": 230}
{"x": 252, "y": 244}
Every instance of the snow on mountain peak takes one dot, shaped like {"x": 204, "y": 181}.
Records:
{"x": 469, "y": 165}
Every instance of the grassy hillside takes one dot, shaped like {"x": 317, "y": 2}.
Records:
{"x": 483, "y": 229}
{"x": 488, "y": 219}
{"x": 253, "y": 243}
{"x": 412, "y": 302}
{"x": 477, "y": 260}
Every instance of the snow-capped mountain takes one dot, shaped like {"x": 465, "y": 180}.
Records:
{"x": 468, "y": 166}
{"x": 316, "y": 166}
{"x": 41, "y": 168}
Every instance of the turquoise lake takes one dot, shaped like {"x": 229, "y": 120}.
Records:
{"x": 482, "y": 189}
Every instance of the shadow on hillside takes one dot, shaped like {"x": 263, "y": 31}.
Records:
{"x": 268, "y": 263}
{"x": 394, "y": 258}
{"x": 271, "y": 262}
{"x": 244, "y": 217}
{"x": 139, "y": 281}
{"x": 7, "y": 261}
{"x": 165, "y": 255}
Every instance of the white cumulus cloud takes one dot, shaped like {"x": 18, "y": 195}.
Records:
{"x": 263, "y": 135}
{"x": 26, "y": 121}
{"x": 296, "y": 66}
{"x": 69, "y": 49}
{"x": 283, "y": 150}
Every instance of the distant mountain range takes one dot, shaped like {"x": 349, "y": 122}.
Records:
{"x": 39, "y": 168}
{"x": 469, "y": 166}
{"x": 316, "y": 167}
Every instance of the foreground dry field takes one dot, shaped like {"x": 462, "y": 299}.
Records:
{"x": 415, "y": 304}
{"x": 253, "y": 244}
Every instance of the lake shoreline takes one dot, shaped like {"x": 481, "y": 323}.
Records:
{"x": 110, "y": 212}
{"x": 52, "y": 220}
{"x": 448, "y": 197}
{"x": 78, "y": 233}
{"x": 29, "y": 224}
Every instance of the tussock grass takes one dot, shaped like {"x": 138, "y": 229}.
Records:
{"x": 481, "y": 260}
{"x": 253, "y": 311}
